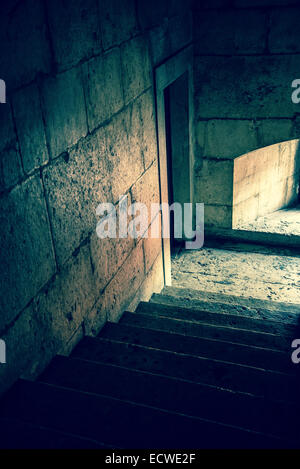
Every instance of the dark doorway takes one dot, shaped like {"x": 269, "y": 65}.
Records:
{"x": 176, "y": 97}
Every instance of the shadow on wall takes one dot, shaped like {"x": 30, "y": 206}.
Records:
{"x": 265, "y": 180}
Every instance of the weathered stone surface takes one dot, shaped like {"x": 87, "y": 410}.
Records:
{"x": 75, "y": 30}
{"x": 103, "y": 87}
{"x": 274, "y": 131}
{"x": 24, "y": 49}
{"x": 218, "y": 215}
{"x": 123, "y": 287}
{"x": 63, "y": 312}
{"x": 246, "y": 87}
{"x": 230, "y": 138}
{"x": 136, "y": 67}
{"x": 152, "y": 249}
{"x": 64, "y": 109}
{"x": 30, "y": 128}
{"x": 75, "y": 185}
{"x": 214, "y": 185}
{"x": 118, "y": 21}
{"x": 284, "y": 35}
{"x": 108, "y": 254}
{"x": 146, "y": 190}
{"x": 232, "y": 32}
{"x": 151, "y": 14}
{"x": 146, "y": 125}
{"x": 25, "y": 236}
{"x": 125, "y": 163}
{"x": 170, "y": 36}
{"x": 248, "y": 275}
{"x": 10, "y": 164}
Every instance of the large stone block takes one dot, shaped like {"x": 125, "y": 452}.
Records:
{"x": 214, "y": 183}
{"x": 30, "y": 128}
{"x": 232, "y": 32}
{"x": 284, "y": 31}
{"x": 75, "y": 185}
{"x": 274, "y": 131}
{"x": 152, "y": 248}
{"x": 67, "y": 300}
{"x": 170, "y": 36}
{"x": 24, "y": 48}
{"x": 245, "y": 87}
{"x": 122, "y": 289}
{"x": 136, "y": 67}
{"x": 108, "y": 254}
{"x": 27, "y": 257}
{"x": 218, "y": 216}
{"x": 146, "y": 191}
{"x": 230, "y": 138}
{"x": 64, "y": 109}
{"x": 144, "y": 124}
{"x": 10, "y": 163}
{"x": 118, "y": 21}
{"x": 75, "y": 30}
{"x": 125, "y": 160}
{"x": 103, "y": 87}
{"x": 151, "y": 13}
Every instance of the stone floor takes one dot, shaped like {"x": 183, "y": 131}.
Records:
{"x": 240, "y": 270}
{"x": 285, "y": 221}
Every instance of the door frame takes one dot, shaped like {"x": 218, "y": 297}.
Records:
{"x": 166, "y": 74}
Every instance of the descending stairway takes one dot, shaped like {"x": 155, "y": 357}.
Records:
{"x": 186, "y": 370}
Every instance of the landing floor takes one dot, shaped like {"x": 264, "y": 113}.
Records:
{"x": 286, "y": 221}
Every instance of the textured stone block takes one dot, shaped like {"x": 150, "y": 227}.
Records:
{"x": 214, "y": 183}
{"x": 125, "y": 161}
{"x": 103, "y": 87}
{"x": 274, "y": 131}
{"x": 64, "y": 110}
{"x": 284, "y": 31}
{"x": 75, "y": 30}
{"x": 30, "y": 128}
{"x": 218, "y": 215}
{"x": 75, "y": 185}
{"x": 152, "y": 248}
{"x": 108, "y": 255}
{"x": 148, "y": 130}
{"x": 10, "y": 163}
{"x": 230, "y": 138}
{"x": 27, "y": 257}
{"x": 232, "y": 32}
{"x": 136, "y": 67}
{"x": 245, "y": 87}
{"x": 121, "y": 290}
{"x": 24, "y": 48}
{"x": 118, "y": 21}
{"x": 67, "y": 300}
{"x": 151, "y": 13}
{"x": 146, "y": 190}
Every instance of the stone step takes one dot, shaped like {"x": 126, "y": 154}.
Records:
{"x": 121, "y": 423}
{"x": 177, "y": 395}
{"x": 201, "y": 347}
{"x": 211, "y": 331}
{"x": 217, "y": 318}
{"x": 242, "y": 378}
{"x": 211, "y": 301}
{"x": 19, "y": 435}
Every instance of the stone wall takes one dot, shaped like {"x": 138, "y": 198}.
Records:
{"x": 247, "y": 53}
{"x": 78, "y": 129}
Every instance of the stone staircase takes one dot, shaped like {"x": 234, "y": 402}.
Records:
{"x": 189, "y": 369}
